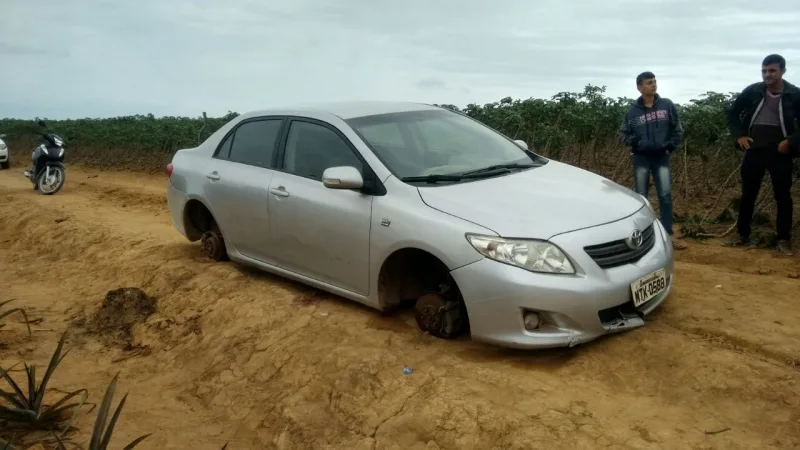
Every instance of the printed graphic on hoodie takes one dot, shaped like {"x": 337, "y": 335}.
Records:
{"x": 653, "y": 130}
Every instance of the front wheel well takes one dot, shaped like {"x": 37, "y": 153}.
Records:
{"x": 412, "y": 274}
{"x": 408, "y": 273}
{"x": 197, "y": 219}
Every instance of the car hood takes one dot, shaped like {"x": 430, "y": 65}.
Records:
{"x": 536, "y": 203}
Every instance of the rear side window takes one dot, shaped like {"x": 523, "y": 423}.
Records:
{"x": 254, "y": 142}
{"x": 225, "y": 148}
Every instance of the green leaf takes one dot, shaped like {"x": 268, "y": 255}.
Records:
{"x": 24, "y": 315}
{"x": 110, "y": 429}
{"x": 11, "y": 399}
{"x": 20, "y": 394}
{"x": 54, "y": 361}
{"x": 102, "y": 415}
{"x": 136, "y": 442}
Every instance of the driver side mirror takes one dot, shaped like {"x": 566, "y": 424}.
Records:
{"x": 2, "y": 136}
{"x": 521, "y": 143}
{"x": 343, "y": 177}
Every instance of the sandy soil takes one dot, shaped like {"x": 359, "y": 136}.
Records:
{"x": 231, "y": 354}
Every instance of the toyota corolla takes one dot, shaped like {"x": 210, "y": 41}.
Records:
{"x": 383, "y": 203}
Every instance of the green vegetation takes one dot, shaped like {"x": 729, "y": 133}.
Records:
{"x": 24, "y": 416}
{"x": 554, "y": 126}
{"x": 101, "y": 436}
{"x": 24, "y": 413}
{"x": 28, "y": 409}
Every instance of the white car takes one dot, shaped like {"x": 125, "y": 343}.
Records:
{"x": 5, "y": 160}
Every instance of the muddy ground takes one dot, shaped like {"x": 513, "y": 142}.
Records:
{"x": 226, "y": 354}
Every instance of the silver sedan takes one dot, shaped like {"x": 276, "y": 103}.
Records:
{"x": 384, "y": 202}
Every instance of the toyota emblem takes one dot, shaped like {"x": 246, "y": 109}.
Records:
{"x": 635, "y": 241}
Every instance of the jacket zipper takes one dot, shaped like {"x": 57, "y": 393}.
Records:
{"x": 780, "y": 116}
{"x": 755, "y": 114}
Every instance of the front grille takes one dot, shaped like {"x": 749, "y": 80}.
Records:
{"x": 617, "y": 253}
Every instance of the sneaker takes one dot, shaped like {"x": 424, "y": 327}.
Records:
{"x": 784, "y": 248}
{"x": 678, "y": 244}
{"x": 738, "y": 241}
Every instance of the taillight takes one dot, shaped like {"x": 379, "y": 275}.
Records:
{"x": 169, "y": 170}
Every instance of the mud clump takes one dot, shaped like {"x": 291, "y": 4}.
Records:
{"x": 121, "y": 310}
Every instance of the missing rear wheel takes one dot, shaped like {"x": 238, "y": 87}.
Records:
{"x": 214, "y": 246}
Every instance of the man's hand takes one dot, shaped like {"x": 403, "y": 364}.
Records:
{"x": 744, "y": 142}
{"x": 783, "y": 147}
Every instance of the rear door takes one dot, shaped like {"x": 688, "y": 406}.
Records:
{"x": 237, "y": 184}
{"x": 319, "y": 232}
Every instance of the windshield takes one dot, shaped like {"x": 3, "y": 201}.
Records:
{"x": 434, "y": 142}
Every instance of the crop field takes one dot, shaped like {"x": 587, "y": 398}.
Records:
{"x": 211, "y": 354}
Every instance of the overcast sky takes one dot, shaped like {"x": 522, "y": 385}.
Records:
{"x": 95, "y": 58}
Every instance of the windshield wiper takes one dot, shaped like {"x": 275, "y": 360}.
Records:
{"x": 433, "y": 178}
{"x": 455, "y": 177}
{"x": 501, "y": 166}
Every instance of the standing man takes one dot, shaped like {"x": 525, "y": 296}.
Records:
{"x": 761, "y": 120}
{"x": 653, "y": 130}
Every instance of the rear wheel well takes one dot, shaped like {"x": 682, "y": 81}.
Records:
{"x": 197, "y": 219}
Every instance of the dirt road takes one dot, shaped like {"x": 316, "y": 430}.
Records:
{"x": 236, "y": 355}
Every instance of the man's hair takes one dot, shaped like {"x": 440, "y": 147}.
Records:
{"x": 774, "y": 59}
{"x": 644, "y": 76}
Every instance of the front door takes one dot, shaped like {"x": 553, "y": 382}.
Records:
{"x": 237, "y": 184}
{"x": 315, "y": 231}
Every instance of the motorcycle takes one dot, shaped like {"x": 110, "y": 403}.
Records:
{"x": 48, "y": 174}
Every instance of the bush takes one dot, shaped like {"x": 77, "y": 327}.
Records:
{"x": 553, "y": 126}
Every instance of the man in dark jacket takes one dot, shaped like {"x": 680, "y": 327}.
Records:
{"x": 653, "y": 130}
{"x": 762, "y": 120}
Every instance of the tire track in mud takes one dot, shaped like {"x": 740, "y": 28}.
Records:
{"x": 276, "y": 373}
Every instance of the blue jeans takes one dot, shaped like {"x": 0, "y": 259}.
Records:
{"x": 658, "y": 165}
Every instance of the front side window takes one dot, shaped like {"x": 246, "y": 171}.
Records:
{"x": 435, "y": 142}
{"x": 312, "y": 148}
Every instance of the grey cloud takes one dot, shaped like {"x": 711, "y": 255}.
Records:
{"x": 19, "y": 49}
{"x": 432, "y": 83}
{"x": 185, "y": 56}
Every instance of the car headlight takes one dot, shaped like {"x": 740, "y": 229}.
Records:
{"x": 529, "y": 254}
{"x": 3, "y": 147}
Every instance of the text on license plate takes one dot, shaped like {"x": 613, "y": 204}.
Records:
{"x": 649, "y": 286}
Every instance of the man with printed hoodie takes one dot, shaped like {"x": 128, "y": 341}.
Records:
{"x": 653, "y": 130}
{"x": 762, "y": 120}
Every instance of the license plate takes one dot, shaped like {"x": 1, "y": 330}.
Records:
{"x": 647, "y": 287}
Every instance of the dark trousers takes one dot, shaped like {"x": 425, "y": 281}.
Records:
{"x": 757, "y": 161}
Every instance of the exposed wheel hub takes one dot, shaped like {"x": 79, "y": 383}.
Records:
{"x": 438, "y": 315}
{"x": 212, "y": 245}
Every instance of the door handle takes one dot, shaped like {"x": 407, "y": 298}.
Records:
{"x": 212, "y": 176}
{"x": 280, "y": 192}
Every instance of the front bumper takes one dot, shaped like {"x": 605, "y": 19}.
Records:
{"x": 574, "y": 308}
{"x": 3, "y": 156}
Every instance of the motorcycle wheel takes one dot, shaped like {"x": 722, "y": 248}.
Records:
{"x": 58, "y": 174}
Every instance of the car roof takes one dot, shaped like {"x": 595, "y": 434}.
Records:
{"x": 346, "y": 110}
